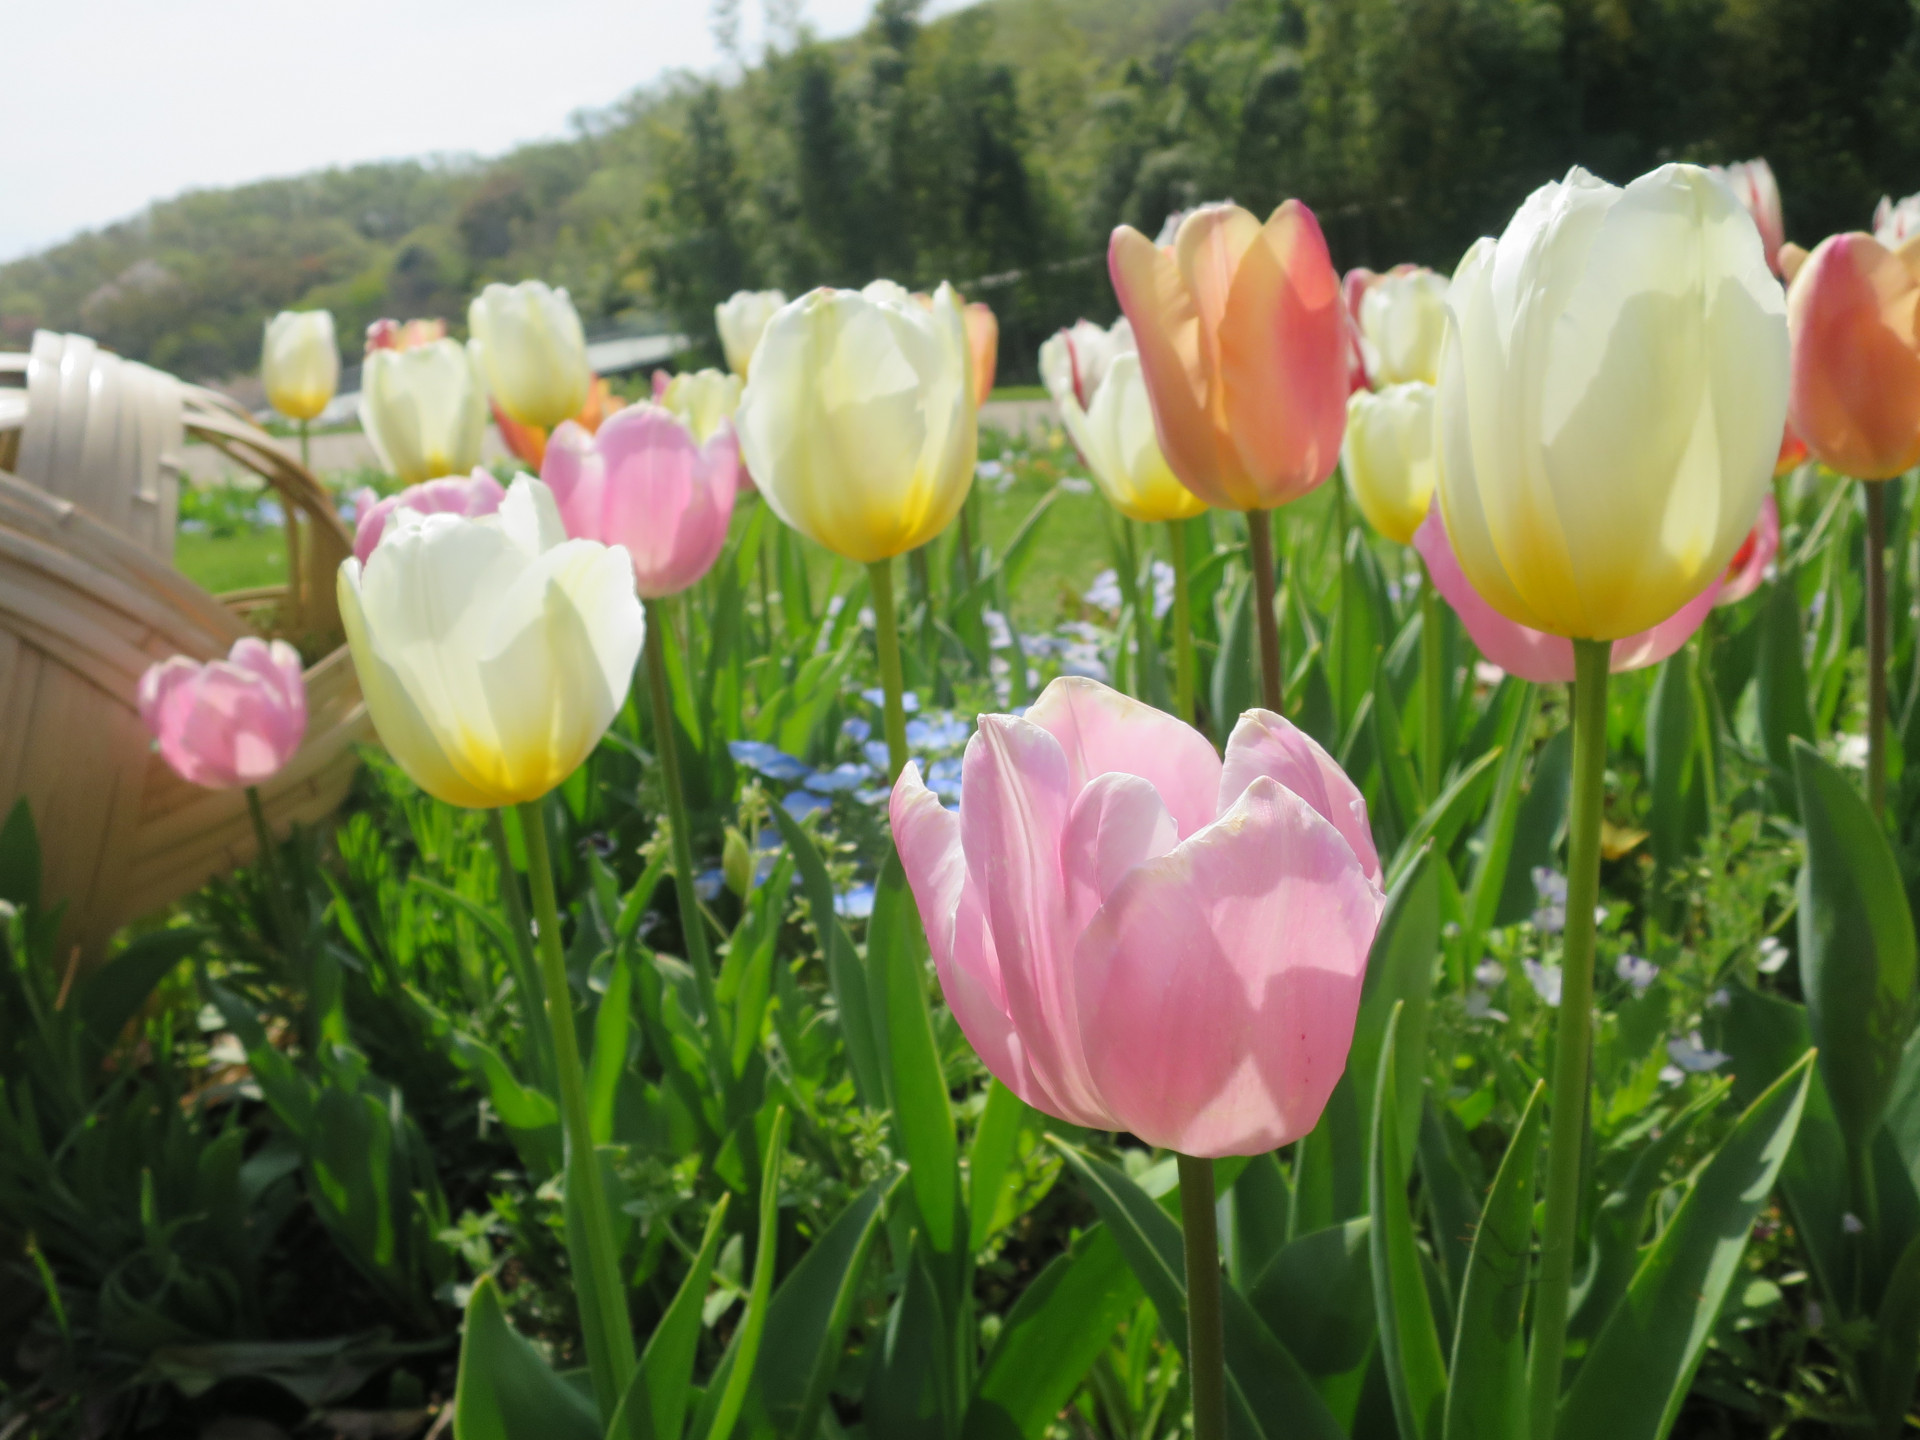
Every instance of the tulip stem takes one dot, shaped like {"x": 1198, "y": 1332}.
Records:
{"x": 1877, "y": 647}
{"x": 679, "y": 831}
{"x": 1432, "y": 684}
{"x": 526, "y": 967}
{"x": 1573, "y": 1036}
{"x": 887, "y": 637}
{"x": 1206, "y": 1334}
{"x": 277, "y": 902}
{"x": 595, "y": 1254}
{"x": 1260, "y": 543}
{"x": 1183, "y": 682}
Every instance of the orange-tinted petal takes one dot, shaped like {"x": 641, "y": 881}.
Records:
{"x": 1855, "y": 393}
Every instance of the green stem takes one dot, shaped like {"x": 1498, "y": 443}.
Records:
{"x": 1877, "y": 647}
{"x": 887, "y": 635}
{"x": 1433, "y": 684}
{"x": 526, "y": 968}
{"x": 966, "y": 538}
{"x": 679, "y": 831}
{"x": 766, "y": 596}
{"x": 1260, "y": 543}
{"x": 1573, "y": 1037}
{"x": 296, "y": 566}
{"x": 1206, "y": 1334}
{"x": 269, "y": 861}
{"x": 1183, "y": 680}
{"x": 603, "y": 1307}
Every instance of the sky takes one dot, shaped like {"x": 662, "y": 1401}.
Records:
{"x": 110, "y": 104}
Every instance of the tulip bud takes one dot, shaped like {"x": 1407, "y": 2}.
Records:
{"x": 704, "y": 399}
{"x": 229, "y": 722}
{"x": 1243, "y": 340}
{"x": 493, "y": 652}
{"x": 736, "y": 863}
{"x": 1074, "y": 361}
{"x": 983, "y": 346}
{"x": 741, "y": 318}
{"x": 1754, "y": 187}
{"x": 1388, "y": 457}
{"x": 470, "y": 495}
{"x": 300, "y": 362}
{"x": 1611, "y": 401}
{"x": 532, "y": 352}
{"x": 423, "y": 410}
{"x": 1115, "y": 436}
{"x": 1896, "y": 221}
{"x": 1856, "y": 355}
{"x": 858, "y": 422}
{"x": 1403, "y": 322}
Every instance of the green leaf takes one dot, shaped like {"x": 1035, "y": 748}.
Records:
{"x": 1857, "y": 954}
{"x": 1636, "y": 1376}
{"x": 20, "y": 858}
{"x": 1316, "y": 1296}
{"x": 1503, "y": 818}
{"x": 988, "y": 1158}
{"x": 1536, "y": 834}
{"x": 1399, "y": 789}
{"x": 1675, "y": 767}
{"x": 910, "y": 1379}
{"x": 1231, "y": 688}
{"x": 1400, "y": 970}
{"x": 1409, "y": 1341}
{"x": 505, "y": 1390}
{"x": 655, "y": 1405}
{"x": 1050, "y": 1338}
{"x": 1487, "y": 1385}
{"x": 1895, "y": 1359}
{"x": 109, "y": 997}
{"x": 745, "y": 1349}
{"x": 1443, "y": 820}
{"x": 1780, "y": 682}
{"x": 612, "y": 1023}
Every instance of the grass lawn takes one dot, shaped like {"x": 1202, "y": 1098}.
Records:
{"x": 232, "y": 562}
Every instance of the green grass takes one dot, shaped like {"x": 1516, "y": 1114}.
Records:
{"x": 1018, "y": 392}
{"x": 237, "y": 561}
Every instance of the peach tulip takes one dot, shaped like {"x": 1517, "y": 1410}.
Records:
{"x": 643, "y": 482}
{"x": 1754, "y": 187}
{"x": 389, "y": 334}
{"x": 469, "y": 495}
{"x": 230, "y": 722}
{"x": 983, "y": 341}
{"x": 1243, "y": 338}
{"x": 1750, "y": 561}
{"x": 528, "y": 443}
{"x": 1137, "y": 935}
{"x": 1855, "y": 392}
{"x": 1353, "y": 289}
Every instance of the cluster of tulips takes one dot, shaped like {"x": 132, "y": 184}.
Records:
{"x": 1136, "y": 932}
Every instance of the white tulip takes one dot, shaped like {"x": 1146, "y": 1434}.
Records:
{"x": 1403, "y": 323}
{"x": 1074, "y": 361}
{"x": 741, "y": 319}
{"x": 1116, "y": 438}
{"x": 493, "y": 652}
{"x": 1388, "y": 456}
{"x": 858, "y": 420}
{"x": 531, "y": 351}
{"x": 424, "y": 410}
{"x": 300, "y": 362}
{"x": 1611, "y": 400}
{"x": 704, "y": 399}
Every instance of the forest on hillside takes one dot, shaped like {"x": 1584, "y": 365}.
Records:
{"x": 997, "y": 147}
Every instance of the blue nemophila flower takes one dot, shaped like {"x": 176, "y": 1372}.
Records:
{"x": 875, "y": 795}
{"x": 1692, "y": 1056}
{"x": 706, "y": 885}
{"x": 855, "y": 903}
{"x": 802, "y": 803}
{"x": 1489, "y": 972}
{"x": 876, "y": 753}
{"x": 847, "y": 776}
{"x": 877, "y": 698}
{"x": 768, "y": 760}
{"x": 855, "y": 728}
{"x": 943, "y": 778}
{"x": 1773, "y": 955}
{"x": 945, "y": 731}
{"x": 1636, "y": 972}
{"x": 1551, "y": 886}
{"x": 1545, "y": 980}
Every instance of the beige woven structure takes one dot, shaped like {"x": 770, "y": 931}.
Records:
{"x": 89, "y": 598}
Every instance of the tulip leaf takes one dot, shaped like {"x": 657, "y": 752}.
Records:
{"x": 1443, "y": 820}
{"x": 1051, "y": 1338}
{"x": 1857, "y": 952}
{"x": 20, "y": 858}
{"x": 1487, "y": 1384}
{"x": 1676, "y": 777}
{"x": 1503, "y": 815}
{"x": 989, "y": 1157}
{"x": 1780, "y": 680}
{"x": 1636, "y": 1376}
{"x": 1268, "y": 1394}
{"x": 1536, "y": 831}
{"x": 505, "y": 1391}
{"x": 1895, "y": 1361}
{"x": 1409, "y": 1340}
{"x": 1399, "y": 789}
{"x": 109, "y": 997}
{"x": 1400, "y": 972}
{"x": 1232, "y": 689}
{"x": 655, "y": 1405}
{"x": 728, "y": 1393}
{"x": 1316, "y": 1295}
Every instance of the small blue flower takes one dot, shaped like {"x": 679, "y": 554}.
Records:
{"x": 707, "y": 884}
{"x": 802, "y": 803}
{"x": 876, "y": 753}
{"x": 855, "y": 728}
{"x": 876, "y": 795}
{"x": 768, "y": 760}
{"x": 877, "y": 698}
{"x": 268, "y": 512}
{"x": 1636, "y": 972}
{"x": 943, "y": 778}
{"x": 848, "y": 776}
{"x": 855, "y": 903}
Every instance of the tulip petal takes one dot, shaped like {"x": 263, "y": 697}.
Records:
{"x": 1263, "y": 743}
{"x": 1117, "y": 822}
{"x": 1218, "y": 985}
{"x": 1856, "y": 357}
{"x": 1100, "y": 729}
{"x": 1518, "y": 649}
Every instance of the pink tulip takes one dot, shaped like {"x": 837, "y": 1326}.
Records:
{"x": 1138, "y": 936}
{"x": 643, "y": 483}
{"x": 1534, "y": 654}
{"x": 230, "y": 722}
{"x": 1750, "y": 561}
{"x": 1353, "y": 289}
{"x": 1753, "y": 185}
{"x": 470, "y": 495}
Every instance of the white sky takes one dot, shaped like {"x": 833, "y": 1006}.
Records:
{"x": 109, "y": 104}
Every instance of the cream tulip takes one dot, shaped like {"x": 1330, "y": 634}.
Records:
{"x": 423, "y": 410}
{"x": 300, "y": 362}
{"x": 531, "y": 351}
{"x": 1403, "y": 322}
{"x": 1116, "y": 438}
{"x": 704, "y": 399}
{"x": 1388, "y": 457}
{"x": 858, "y": 421}
{"x": 1074, "y": 361}
{"x": 493, "y": 652}
{"x": 1611, "y": 400}
{"x": 741, "y": 319}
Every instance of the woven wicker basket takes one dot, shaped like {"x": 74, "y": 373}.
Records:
{"x": 89, "y": 598}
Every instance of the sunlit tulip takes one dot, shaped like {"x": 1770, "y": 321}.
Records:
{"x": 531, "y": 351}
{"x": 1754, "y": 187}
{"x": 1534, "y": 654}
{"x": 1074, "y": 361}
{"x": 645, "y": 483}
{"x": 858, "y": 421}
{"x": 300, "y": 362}
{"x": 1139, "y": 936}
{"x": 1611, "y": 401}
{"x": 1403, "y": 322}
{"x": 1243, "y": 339}
{"x": 229, "y": 722}
{"x": 983, "y": 346}
{"x": 470, "y": 495}
{"x": 1856, "y": 355}
{"x": 741, "y": 319}
{"x": 423, "y": 410}
{"x": 704, "y": 399}
{"x": 1896, "y": 221}
{"x": 1388, "y": 457}
{"x": 1353, "y": 289}
{"x": 493, "y": 652}
{"x": 392, "y": 335}
{"x": 1115, "y": 436}
{"x": 1750, "y": 561}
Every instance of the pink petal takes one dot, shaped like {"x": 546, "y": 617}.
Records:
{"x": 1749, "y": 566}
{"x": 1100, "y": 729}
{"x": 1264, "y": 743}
{"x": 1117, "y": 822}
{"x": 1219, "y": 984}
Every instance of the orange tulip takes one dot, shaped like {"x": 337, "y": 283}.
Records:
{"x": 1855, "y": 392}
{"x": 529, "y": 442}
{"x": 983, "y": 339}
{"x": 1243, "y": 339}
